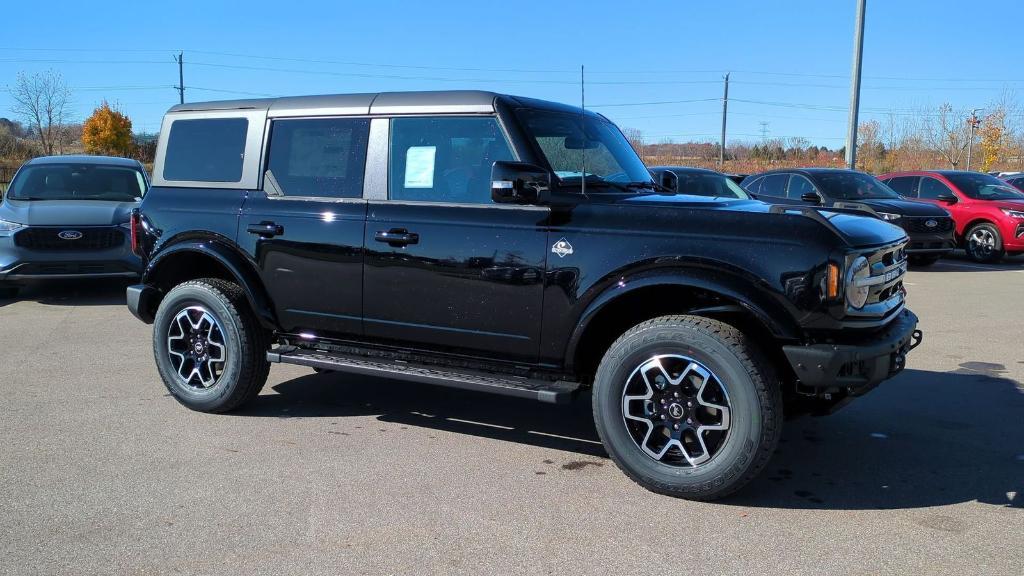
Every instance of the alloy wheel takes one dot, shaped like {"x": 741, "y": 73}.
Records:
{"x": 982, "y": 242}
{"x": 676, "y": 410}
{"x": 196, "y": 346}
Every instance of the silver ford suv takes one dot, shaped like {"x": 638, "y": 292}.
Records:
{"x": 67, "y": 217}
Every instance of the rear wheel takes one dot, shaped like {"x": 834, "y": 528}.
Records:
{"x": 209, "y": 348}
{"x": 983, "y": 243}
{"x": 687, "y": 406}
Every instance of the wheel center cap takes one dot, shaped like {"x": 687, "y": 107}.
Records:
{"x": 676, "y": 410}
{"x": 198, "y": 347}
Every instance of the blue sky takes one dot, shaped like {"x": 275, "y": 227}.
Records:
{"x": 789, "y": 60}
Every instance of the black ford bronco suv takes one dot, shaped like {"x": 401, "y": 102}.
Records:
{"x": 514, "y": 246}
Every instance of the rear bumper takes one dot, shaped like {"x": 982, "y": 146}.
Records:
{"x": 858, "y": 364}
{"x": 141, "y": 299}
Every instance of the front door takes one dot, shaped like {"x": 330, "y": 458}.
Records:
{"x": 304, "y": 229}
{"x": 446, "y": 269}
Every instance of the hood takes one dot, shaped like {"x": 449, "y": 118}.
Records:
{"x": 66, "y": 212}
{"x": 904, "y": 207}
{"x": 856, "y": 230}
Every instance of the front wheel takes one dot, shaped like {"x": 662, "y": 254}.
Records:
{"x": 687, "y": 406}
{"x": 983, "y": 243}
{"x": 209, "y": 348}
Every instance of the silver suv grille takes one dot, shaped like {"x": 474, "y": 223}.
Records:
{"x": 888, "y": 266}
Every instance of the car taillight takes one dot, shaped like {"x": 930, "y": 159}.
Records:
{"x": 136, "y": 222}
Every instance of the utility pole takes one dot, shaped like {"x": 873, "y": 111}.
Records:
{"x": 725, "y": 114}
{"x": 858, "y": 52}
{"x": 181, "y": 77}
{"x": 974, "y": 122}
{"x": 764, "y": 130}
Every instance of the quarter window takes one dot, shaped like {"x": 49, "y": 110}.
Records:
{"x": 445, "y": 159}
{"x": 931, "y": 189}
{"x": 206, "y": 150}
{"x": 323, "y": 157}
{"x": 774, "y": 185}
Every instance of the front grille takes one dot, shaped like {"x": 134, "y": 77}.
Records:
{"x": 891, "y": 261}
{"x": 49, "y": 238}
{"x": 920, "y": 224}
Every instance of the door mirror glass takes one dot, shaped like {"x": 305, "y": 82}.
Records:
{"x": 811, "y": 197}
{"x": 947, "y": 198}
{"x": 666, "y": 179}
{"x": 519, "y": 183}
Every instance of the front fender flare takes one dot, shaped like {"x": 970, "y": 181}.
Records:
{"x": 237, "y": 265}
{"x": 752, "y": 300}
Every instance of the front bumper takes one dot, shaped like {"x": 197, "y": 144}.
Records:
{"x": 19, "y": 263}
{"x": 857, "y": 364}
{"x": 937, "y": 243}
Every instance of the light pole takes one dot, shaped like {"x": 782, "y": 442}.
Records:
{"x": 973, "y": 120}
{"x": 858, "y": 52}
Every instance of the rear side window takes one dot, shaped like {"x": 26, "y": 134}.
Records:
{"x": 319, "y": 157}
{"x": 774, "y": 185}
{"x": 905, "y": 186}
{"x": 206, "y": 150}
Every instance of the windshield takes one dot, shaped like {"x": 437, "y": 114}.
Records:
{"x": 78, "y": 182}
{"x": 705, "y": 184}
{"x": 983, "y": 187}
{"x": 853, "y": 186}
{"x": 570, "y": 141}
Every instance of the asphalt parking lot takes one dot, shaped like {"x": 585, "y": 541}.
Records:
{"x": 101, "y": 472}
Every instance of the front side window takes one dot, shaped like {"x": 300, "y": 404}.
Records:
{"x": 753, "y": 185}
{"x": 983, "y": 187}
{"x": 323, "y": 157}
{"x": 445, "y": 159}
{"x": 78, "y": 182}
{"x": 587, "y": 146}
{"x": 931, "y": 189}
{"x": 798, "y": 186}
{"x": 774, "y": 185}
{"x": 206, "y": 150}
{"x": 848, "y": 185}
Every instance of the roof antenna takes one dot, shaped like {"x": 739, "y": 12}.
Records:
{"x": 583, "y": 131}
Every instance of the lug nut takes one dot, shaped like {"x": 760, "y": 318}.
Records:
{"x": 675, "y": 426}
{"x": 689, "y": 420}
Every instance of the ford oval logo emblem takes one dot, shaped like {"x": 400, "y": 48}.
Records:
{"x": 69, "y": 235}
{"x": 931, "y": 223}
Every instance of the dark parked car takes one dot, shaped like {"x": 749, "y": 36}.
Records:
{"x": 989, "y": 213}
{"x": 703, "y": 182}
{"x": 930, "y": 227}
{"x": 1015, "y": 180}
{"x": 513, "y": 246}
{"x": 67, "y": 217}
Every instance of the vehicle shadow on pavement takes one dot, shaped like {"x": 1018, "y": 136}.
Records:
{"x": 922, "y": 439}
{"x": 85, "y": 292}
{"x": 959, "y": 262}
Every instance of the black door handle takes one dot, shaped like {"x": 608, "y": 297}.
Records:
{"x": 397, "y": 237}
{"x": 265, "y": 229}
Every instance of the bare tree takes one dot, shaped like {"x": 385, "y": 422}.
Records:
{"x": 947, "y": 133}
{"x": 43, "y": 99}
{"x": 636, "y": 139}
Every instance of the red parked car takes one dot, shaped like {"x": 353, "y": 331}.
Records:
{"x": 988, "y": 212}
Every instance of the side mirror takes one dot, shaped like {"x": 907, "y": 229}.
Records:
{"x": 947, "y": 198}
{"x": 667, "y": 179}
{"x": 519, "y": 183}
{"x": 811, "y": 197}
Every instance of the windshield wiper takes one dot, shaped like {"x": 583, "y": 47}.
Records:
{"x": 651, "y": 185}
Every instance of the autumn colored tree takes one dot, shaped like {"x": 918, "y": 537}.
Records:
{"x": 107, "y": 132}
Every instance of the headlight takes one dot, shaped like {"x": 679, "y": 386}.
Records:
{"x": 8, "y": 226}
{"x": 857, "y": 296}
{"x": 889, "y": 216}
{"x": 1013, "y": 213}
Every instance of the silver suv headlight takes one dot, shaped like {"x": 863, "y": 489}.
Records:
{"x": 889, "y": 216}
{"x": 8, "y": 226}
{"x": 1013, "y": 213}
{"x": 857, "y": 296}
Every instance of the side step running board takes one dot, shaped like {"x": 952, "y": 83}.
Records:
{"x": 546, "y": 391}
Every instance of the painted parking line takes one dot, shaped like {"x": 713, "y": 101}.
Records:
{"x": 980, "y": 267}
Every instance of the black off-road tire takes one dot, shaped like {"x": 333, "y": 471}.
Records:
{"x": 246, "y": 368}
{"x": 924, "y": 261}
{"x": 980, "y": 255}
{"x": 754, "y": 394}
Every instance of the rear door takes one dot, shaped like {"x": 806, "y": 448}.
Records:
{"x": 446, "y": 268}
{"x": 304, "y": 227}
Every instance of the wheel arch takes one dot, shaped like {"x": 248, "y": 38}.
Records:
{"x": 722, "y": 296}
{"x": 195, "y": 258}
{"x": 974, "y": 222}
